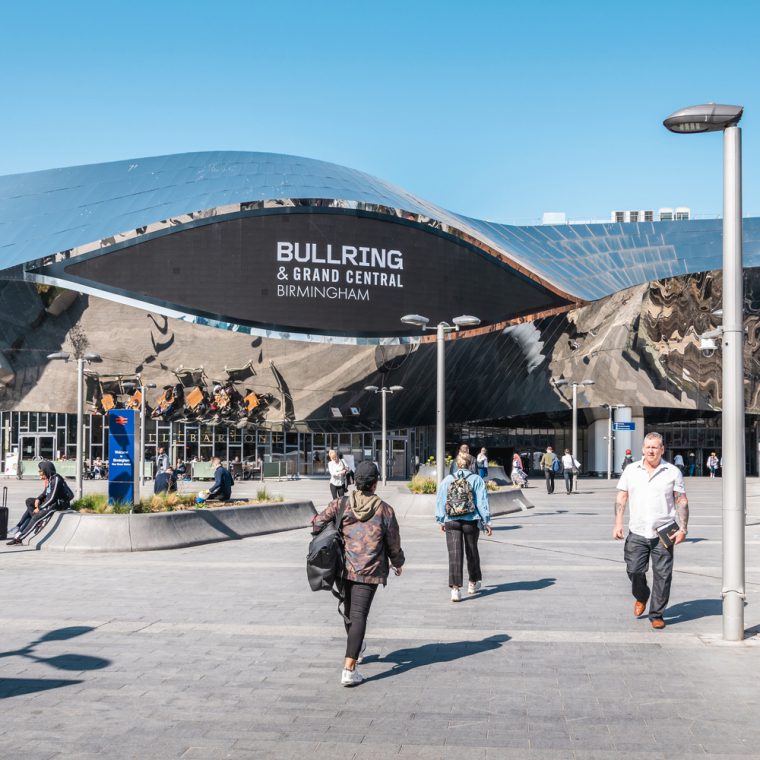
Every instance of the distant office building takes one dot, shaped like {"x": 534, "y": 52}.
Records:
{"x": 679, "y": 214}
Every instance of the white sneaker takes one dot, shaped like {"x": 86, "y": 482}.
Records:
{"x": 351, "y": 677}
{"x": 360, "y": 658}
{"x": 456, "y": 594}
{"x": 473, "y": 588}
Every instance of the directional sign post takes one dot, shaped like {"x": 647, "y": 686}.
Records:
{"x": 122, "y": 464}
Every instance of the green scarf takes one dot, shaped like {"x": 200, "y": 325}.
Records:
{"x": 364, "y": 504}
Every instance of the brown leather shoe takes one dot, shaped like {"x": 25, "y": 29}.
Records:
{"x": 638, "y": 609}
{"x": 658, "y": 624}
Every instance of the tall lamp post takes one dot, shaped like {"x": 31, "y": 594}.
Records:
{"x": 610, "y": 407}
{"x": 384, "y": 392}
{"x": 723, "y": 118}
{"x": 141, "y": 458}
{"x": 559, "y": 383}
{"x": 64, "y": 356}
{"x": 466, "y": 320}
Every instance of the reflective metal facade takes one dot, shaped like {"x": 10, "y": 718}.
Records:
{"x": 44, "y": 213}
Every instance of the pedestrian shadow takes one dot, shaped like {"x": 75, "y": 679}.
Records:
{"x": 429, "y": 654}
{"x": 694, "y": 540}
{"x": 500, "y": 588}
{"x": 505, "y": 527}
{"x": 11, "y": 687}
{"x": 693, "y": 610}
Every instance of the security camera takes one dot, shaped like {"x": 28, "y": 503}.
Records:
{"x": 707, "y": 346}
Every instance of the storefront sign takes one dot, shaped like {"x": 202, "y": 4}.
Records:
{"x": 323, "y": 271}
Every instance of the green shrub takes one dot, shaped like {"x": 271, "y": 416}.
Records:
{"x": 263, "y": 495}
{"x": 492, "y": 485}
{"x": 420, "y": 484}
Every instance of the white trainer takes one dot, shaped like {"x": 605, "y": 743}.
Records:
{"x": 456, "y": 594}
{"x": 473, "y": 588}
{"x": 351, "y": 677}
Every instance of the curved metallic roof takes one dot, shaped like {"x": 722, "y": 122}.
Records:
{"x": 42, "y": 213}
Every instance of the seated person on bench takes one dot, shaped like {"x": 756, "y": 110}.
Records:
{"x": 165, "y": 481}
{"x": 56, "y": 495}
{"x": 222, "y": 488}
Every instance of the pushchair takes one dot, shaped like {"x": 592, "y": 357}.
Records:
{"x": 519, "y": 478}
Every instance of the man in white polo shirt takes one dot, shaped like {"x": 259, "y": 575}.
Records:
{"x": 655, "y": 491}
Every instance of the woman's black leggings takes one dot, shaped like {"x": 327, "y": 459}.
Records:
{"x": 337, "y": 491}
{"x": 359, "y": 598}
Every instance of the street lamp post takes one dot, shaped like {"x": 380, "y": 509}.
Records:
{"x": 466, "y": 320}
{"x": 142, "y": 432}
{"x": 723, "y": 118}
{"x": 89, "y": 357}
{"x": 384, "y": 392}
{"x": 610, "y": 407}
{"x": 559, "y": 383}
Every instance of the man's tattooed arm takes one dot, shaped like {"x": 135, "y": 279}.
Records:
{"x": 682, "y": 510}
{"x": 620, "y": 501}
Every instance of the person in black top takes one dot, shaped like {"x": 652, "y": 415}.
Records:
{"x": 222, "y": 488}
{"x": 56, "y": 495}
{"x": 165, "y": 481}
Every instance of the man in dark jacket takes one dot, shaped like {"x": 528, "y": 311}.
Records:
{"x": 222, "y": 488}
{"x": 372, "y": 544}
{"x": 56, "y": 495}
{"x": 165, "y": 481}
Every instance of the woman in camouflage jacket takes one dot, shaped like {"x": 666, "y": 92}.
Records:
{"x": 372, "y": 548}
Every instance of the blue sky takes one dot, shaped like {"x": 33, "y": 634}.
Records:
{"x": 500, "y": 110}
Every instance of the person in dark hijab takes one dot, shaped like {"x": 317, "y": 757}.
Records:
{"x": 56, "y": 495}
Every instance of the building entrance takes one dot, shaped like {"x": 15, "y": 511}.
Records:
{"x": 33, "y": 448}
{"x": 397, "y": 459}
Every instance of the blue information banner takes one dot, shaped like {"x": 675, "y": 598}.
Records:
{"x": 624, "y": 426}
{"x": 122, "y": 448}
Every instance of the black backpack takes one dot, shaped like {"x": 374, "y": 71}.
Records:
{"x": 67, "y": 495}
{"x": 325, "y": 561}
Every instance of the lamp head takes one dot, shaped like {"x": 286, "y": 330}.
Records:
{"x": 710, "y": 117}
{"x": 466, "y": 320}
{"x": 93, "y": 357}
{"x": 416, "y": 320}
{"x": 371, "y": 388}
{"x": 62, "y": 355}
{"x": 396, "y": 388}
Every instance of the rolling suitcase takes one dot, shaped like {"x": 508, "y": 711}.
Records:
{"x": 4, "y": 515}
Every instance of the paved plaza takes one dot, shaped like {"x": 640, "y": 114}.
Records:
{"x": 222, "y": 651}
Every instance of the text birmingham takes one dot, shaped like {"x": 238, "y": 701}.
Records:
{"x": 314, "y": 291}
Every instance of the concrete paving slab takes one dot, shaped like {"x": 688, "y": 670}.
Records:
{"x": 222, "y": 648}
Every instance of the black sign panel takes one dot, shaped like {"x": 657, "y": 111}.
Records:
{"x": 310, "y": 270}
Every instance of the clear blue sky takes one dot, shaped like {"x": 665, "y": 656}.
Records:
{"x": 500, "y": 110}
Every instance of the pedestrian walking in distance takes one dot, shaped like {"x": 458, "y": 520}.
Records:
{"x": 372, "y": 547}
{"x": 570, "y": 466}
{"x": 462, "y": 512}
{"x": 551, "y": 466}
{"x": 659, "y": 511}
{"x": 338, "y": 470}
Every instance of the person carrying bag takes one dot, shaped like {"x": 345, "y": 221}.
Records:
{"x": 371, "y": 544}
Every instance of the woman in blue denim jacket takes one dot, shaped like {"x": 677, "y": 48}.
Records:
{"x": 462, "y": 511}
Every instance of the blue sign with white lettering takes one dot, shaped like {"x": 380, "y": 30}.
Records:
{"x": 624, "y": 426}
{"x": 122, "y": 464}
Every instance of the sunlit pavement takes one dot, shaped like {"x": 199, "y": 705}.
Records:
{"x": 222, "y": 651}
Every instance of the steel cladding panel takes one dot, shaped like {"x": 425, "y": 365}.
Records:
{"x": 315, "y": 271}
